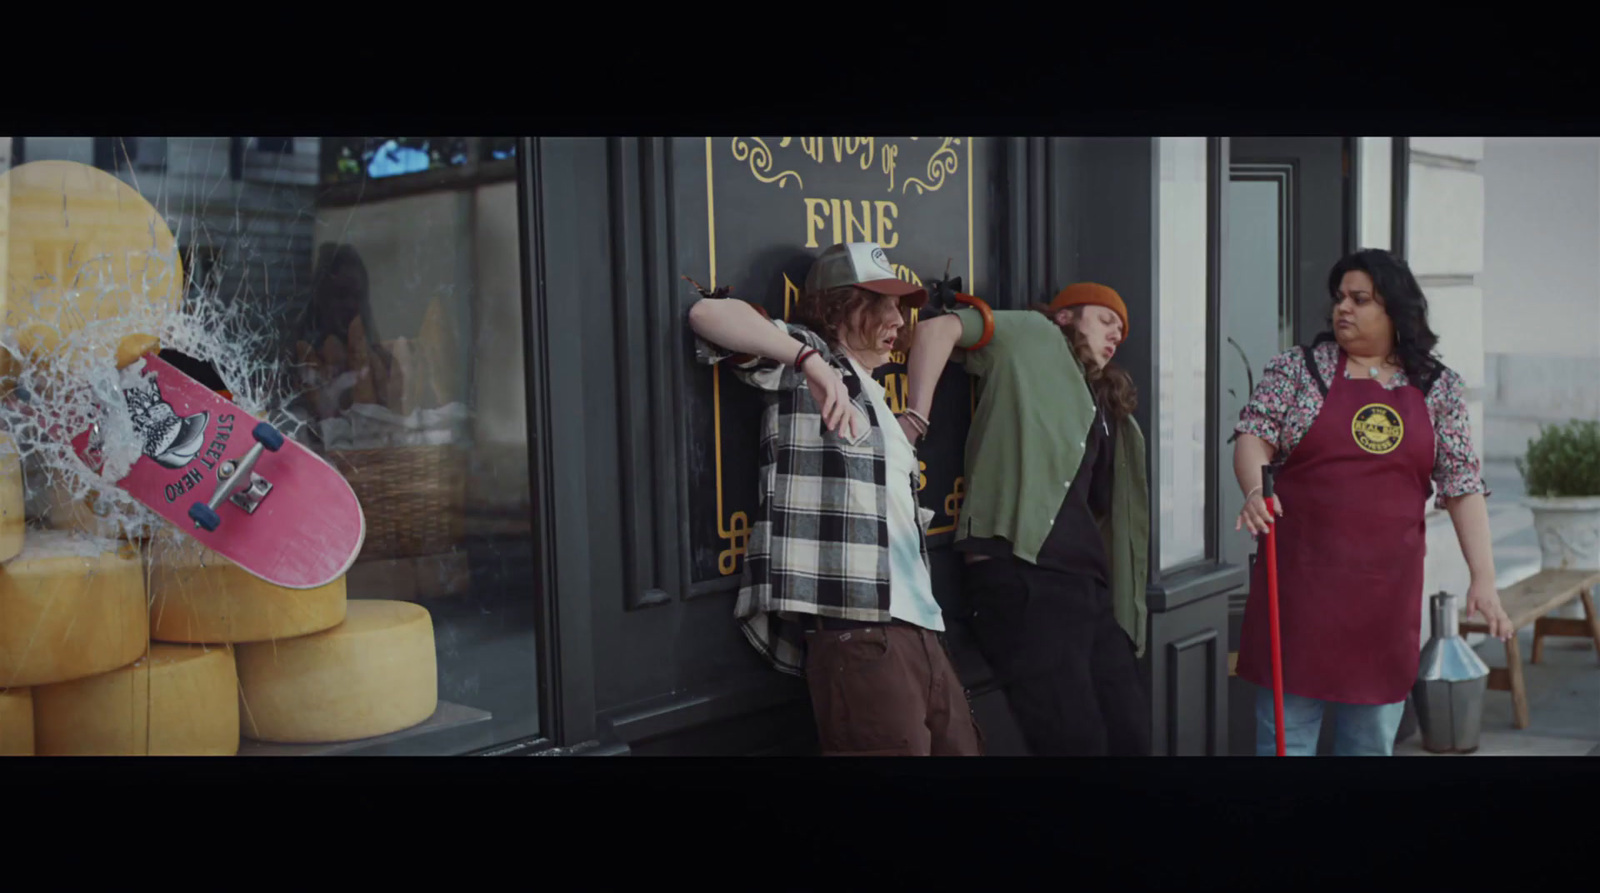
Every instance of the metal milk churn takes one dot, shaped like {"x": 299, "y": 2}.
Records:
{"x": 1451, "y": 682}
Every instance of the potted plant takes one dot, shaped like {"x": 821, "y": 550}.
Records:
{"x": 1562, "y": 472}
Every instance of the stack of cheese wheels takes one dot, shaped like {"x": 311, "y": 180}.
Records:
{"x": 181, "y": 700}
{"x": 90, "y": 698}
{"x": 373, "y": 674}
{"x": 312, "y": 666}
{"x": 71, "y": 608}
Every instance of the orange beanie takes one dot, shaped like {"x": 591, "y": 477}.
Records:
{"x": 1093, "y": 293}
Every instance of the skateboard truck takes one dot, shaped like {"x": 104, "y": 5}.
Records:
{"x": 230, "y": 477}
{"x": 250, "y": 497}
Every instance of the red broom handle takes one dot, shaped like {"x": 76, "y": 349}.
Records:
{"x": 1272, "y": 607}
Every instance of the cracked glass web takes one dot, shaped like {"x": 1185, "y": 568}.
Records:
{"x": 257, "y": 254}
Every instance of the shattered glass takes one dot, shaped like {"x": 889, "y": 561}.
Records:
{"x": 362, "y": 328}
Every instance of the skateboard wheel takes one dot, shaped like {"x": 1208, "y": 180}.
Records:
{"x": 201, "y": 514}
{"x": 268, "y": 436}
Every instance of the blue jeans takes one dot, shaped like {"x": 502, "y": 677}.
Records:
{"x": 1360, "y": 730}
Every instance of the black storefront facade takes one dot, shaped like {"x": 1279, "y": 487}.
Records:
{"x": 586, "y": 605}
{"x": 641, "y": 457}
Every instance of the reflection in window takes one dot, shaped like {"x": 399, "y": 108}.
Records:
{"x": 145, "y": 154}
{"x": 1182, "y": 306}
{"x": 499, "y": 148}
{"x": 378, "y": 158}
{"x": 280, "y": 145}
{"x": 384, "y": 335}
{"x": 80, "y": 149}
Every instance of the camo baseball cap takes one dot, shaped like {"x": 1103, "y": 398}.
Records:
{"x": 862, "y": 264}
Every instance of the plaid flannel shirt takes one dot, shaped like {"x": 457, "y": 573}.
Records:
{"x": 820, "y": 540}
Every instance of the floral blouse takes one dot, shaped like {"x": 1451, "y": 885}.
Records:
{"x": 1286, "y": 401}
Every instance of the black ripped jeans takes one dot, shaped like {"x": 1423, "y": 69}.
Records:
{"x": 1068, "y": 670}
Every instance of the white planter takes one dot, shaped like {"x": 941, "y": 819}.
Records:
{"x": 1568, "y": 528}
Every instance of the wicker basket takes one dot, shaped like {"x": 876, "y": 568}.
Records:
{"x": 414, "y": 497}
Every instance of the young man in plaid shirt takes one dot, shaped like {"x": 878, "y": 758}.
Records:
{"x": 836, "y": 586}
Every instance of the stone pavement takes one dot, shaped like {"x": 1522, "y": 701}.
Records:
{"x": 1563, "y": 690}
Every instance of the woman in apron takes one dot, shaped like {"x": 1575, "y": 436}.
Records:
{"x": 1362, "y": 427}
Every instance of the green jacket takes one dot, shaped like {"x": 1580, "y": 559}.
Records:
{"x": 1027, "y": 440}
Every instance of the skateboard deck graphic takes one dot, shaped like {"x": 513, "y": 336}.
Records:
{"x": 291, "y": 518}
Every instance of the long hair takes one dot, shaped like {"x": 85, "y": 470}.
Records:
{"x": 340, "y": 295}
{"x": 1112, "y": 385}
{"x": 1402, "y": 300}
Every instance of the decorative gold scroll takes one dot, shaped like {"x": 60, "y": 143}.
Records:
{"x": 943, "y": 163}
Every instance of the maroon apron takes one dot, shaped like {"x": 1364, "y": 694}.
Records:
{"x": 1351, "y": 544}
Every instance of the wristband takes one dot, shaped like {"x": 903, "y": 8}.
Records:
{"x": 801, "y": 357}
{"x": 983, "y": 311}
{"x": 1251, "y": 492}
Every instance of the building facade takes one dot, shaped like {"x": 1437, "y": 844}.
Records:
{"x": 489, "y": 335}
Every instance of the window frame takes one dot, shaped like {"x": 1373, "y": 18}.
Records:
{"x": 1205, "y": 576}
{"x": 1214, "y": 246}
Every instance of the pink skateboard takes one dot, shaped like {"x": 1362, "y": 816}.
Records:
{"x": 235, "y": 483}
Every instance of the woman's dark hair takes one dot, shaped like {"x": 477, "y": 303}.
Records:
{"x": 339, "y": 294}
{"x": 1402, "y": 299}
{"x": 1112, "y": 385}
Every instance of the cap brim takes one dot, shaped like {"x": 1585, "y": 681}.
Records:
{"x": 909, "y": 294}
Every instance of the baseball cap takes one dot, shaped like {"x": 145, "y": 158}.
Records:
{"x": 865, "y": 265}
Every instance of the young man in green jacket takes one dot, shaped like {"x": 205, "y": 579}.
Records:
{"x": 1055, "y": 526}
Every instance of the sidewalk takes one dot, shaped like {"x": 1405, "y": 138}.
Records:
{"x": 1564, "y": 689}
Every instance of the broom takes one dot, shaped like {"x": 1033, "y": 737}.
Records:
{"x": 1272, "y": 608}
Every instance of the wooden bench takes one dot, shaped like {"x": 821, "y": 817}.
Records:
{"x": 1529, "y": 602}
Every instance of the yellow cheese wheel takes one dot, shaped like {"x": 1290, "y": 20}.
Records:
{"x": 181, "y": 700}
{"x": 70, "y": 607}
{"x": 197, "y": 595}
{"x": 13, "y": 506}
{"x": 371, "y": 675}
{"x": 82, "y": 246}
{"x": 16, "y": 722}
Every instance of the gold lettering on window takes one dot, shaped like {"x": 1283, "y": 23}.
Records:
{"x": 943, "y": 163}
{"x": 873, "y": 222}
{"x": 886, "y": 214}
{"x": 791, "y": 296}
{"x": 738, "y": 535}
{"x": 894, "y": 391}
{"x": 853, "y": 225}
{"x": 760, "y": 157}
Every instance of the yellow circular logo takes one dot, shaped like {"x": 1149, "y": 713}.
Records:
{"x": 1377, "y": 428}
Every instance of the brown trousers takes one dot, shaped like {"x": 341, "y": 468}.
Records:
{"x": 888, "y": 691}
